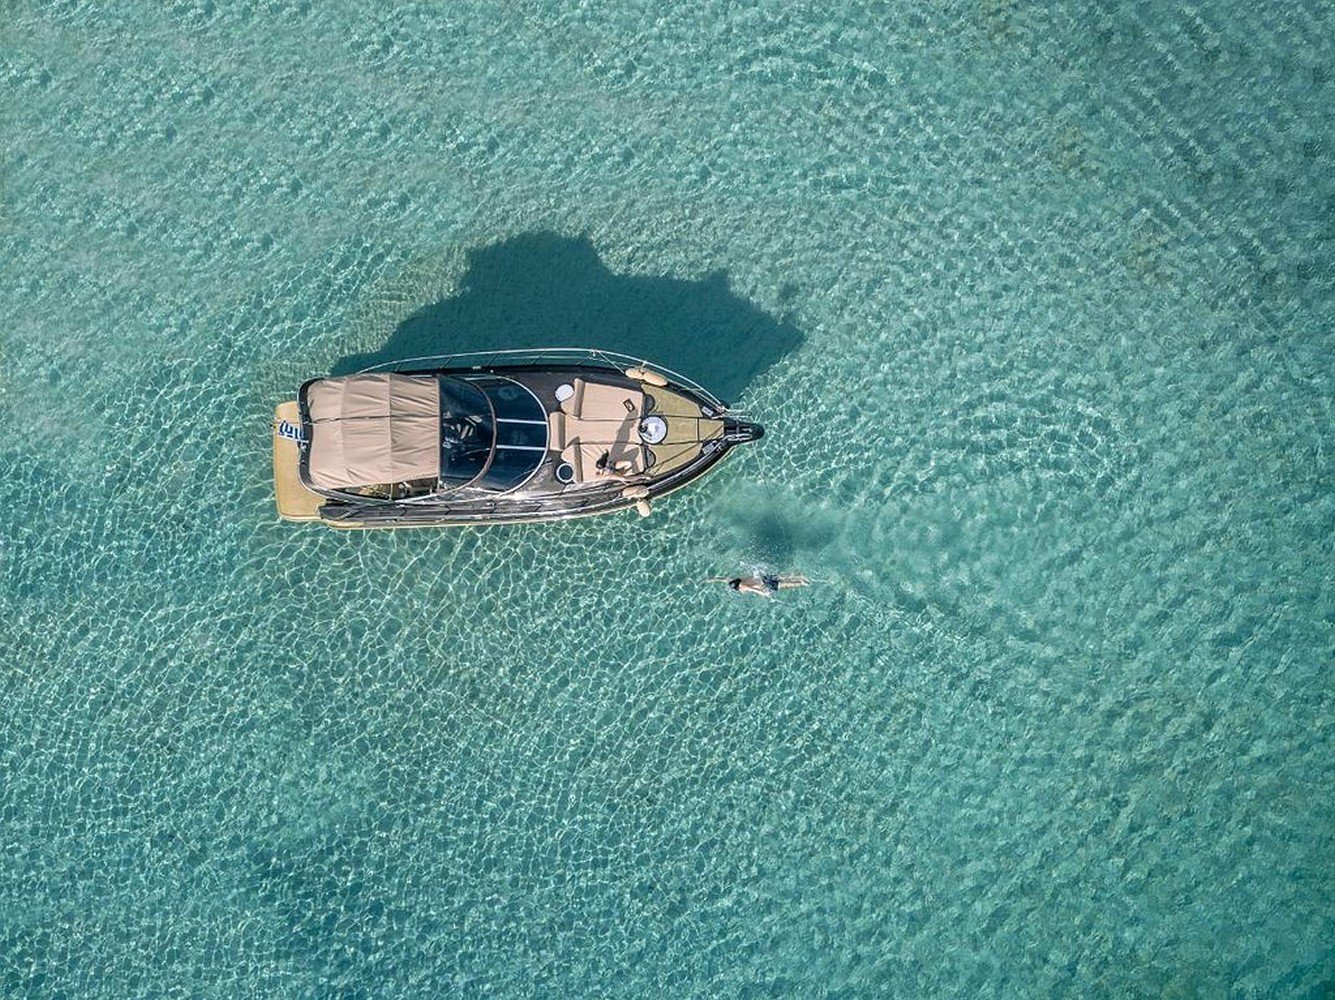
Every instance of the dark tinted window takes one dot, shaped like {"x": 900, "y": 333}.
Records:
{"x": 466, "y": 432}
{"x": 512, "y": 401}
{"x": 509, "y": 468}
{"x": 521, "y": 433}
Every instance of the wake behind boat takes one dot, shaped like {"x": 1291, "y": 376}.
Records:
{"x": 497, "y": 438}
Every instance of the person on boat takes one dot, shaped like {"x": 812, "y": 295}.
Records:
{"x": 766, "y": 585}
{"x": 605, "y": 467}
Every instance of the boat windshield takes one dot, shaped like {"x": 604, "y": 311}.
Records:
{"x": 466, "y": 432}
{"x": 521, "y": 433}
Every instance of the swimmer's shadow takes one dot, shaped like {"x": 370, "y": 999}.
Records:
{"x": 547, "y": 290}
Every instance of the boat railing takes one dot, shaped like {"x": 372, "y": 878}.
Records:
{"x": 480, "y": 360}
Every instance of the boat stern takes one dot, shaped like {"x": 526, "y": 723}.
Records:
{"x": 295, "y": 501}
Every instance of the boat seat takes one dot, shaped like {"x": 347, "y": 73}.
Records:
{"x": 598, "y": 420}
{"x": 583, "y": 458}
{"x": 556, "y": 431}
{"x": 597, "y": 401}
{"x": 564, "y": 431}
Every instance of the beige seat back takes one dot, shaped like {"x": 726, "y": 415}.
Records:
{"x": 557, "y": 430}
{"x": 595, "y": 401}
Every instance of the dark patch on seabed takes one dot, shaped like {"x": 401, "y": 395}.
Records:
{"x": 548, "y": 290}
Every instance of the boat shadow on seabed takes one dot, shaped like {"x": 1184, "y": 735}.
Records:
{"x": 545, "y": 290}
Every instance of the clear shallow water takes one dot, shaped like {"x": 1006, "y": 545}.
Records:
{"x": 1049, "y": 415}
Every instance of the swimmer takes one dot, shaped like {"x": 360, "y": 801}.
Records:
{"x": 765, "y": 586}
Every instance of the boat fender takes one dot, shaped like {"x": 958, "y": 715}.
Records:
{"x": 643, "y": 507}
{"x": 635, "y": 492}
{"x": 647, "y": 376}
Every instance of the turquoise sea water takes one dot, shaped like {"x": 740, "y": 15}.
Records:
{"x": 1035, "y": 301}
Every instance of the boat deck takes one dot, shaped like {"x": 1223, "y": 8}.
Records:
{"x": 590, "y": 427}
{"x": 295, "y": 502}
{"x": 688, "y": 429}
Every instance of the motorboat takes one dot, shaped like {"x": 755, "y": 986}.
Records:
{"x": 503, "y": 437}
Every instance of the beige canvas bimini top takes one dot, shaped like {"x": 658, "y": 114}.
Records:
{"x": 373, "y": 429}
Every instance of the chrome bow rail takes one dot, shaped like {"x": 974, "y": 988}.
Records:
{"x": 480, "y": 360}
